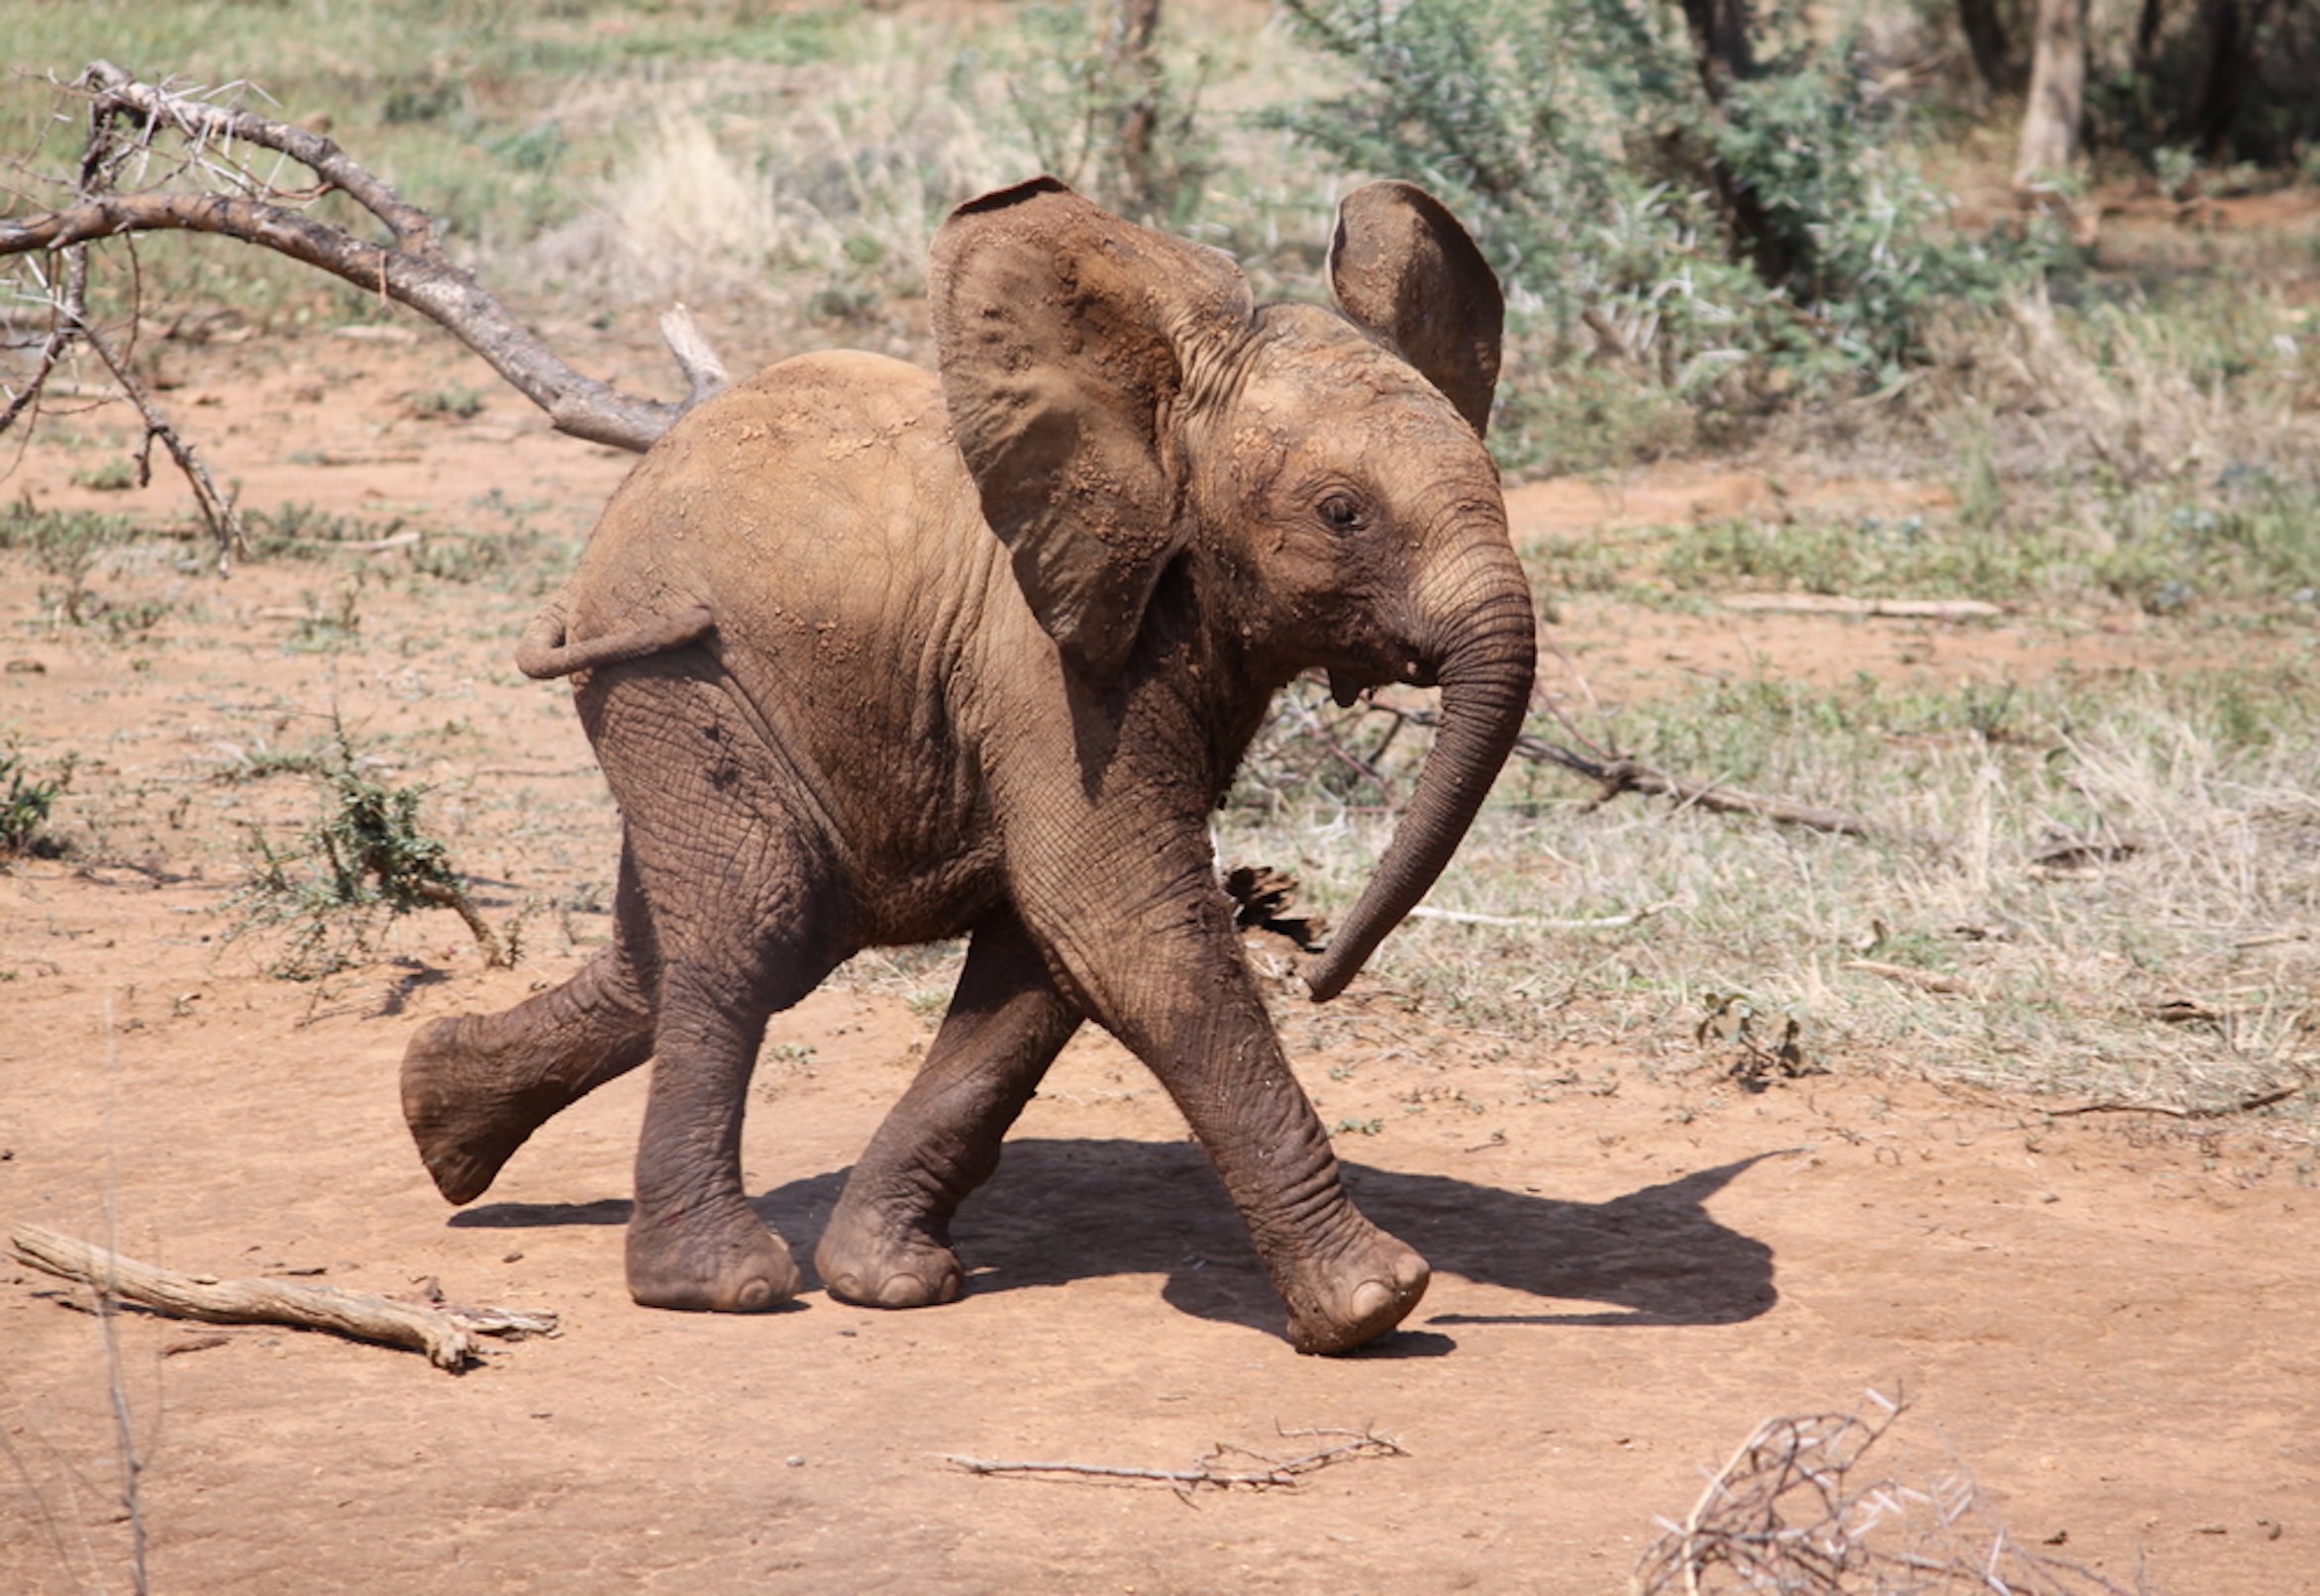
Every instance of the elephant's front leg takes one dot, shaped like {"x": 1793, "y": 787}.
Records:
{"x": 889, "y": 1243}
{"x": 1171, "y": 982}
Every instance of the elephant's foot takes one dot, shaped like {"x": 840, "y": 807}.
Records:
{"x": 871, "y": 1261}
{"x": 716, "y": 1258}
{"x": 464, "y": 1133}
{"x": 1350, "y": 1298}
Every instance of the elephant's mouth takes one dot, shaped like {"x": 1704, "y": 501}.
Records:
{"x": 1348, "y": 683}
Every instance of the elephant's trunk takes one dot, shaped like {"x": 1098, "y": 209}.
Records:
{"x": 1485, "y": 677}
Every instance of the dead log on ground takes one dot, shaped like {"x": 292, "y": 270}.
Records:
{"x": 447, "y": 1334}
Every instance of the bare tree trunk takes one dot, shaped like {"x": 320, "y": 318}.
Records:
{"x": 1723, "y": 47}
{"x": 2235, "y": 32}
{"x": 1722, "y": 43}
{"x": 2001, "y": 66}
{"x": 2147, "y": 23}
{"x": 2057, "y": 94}
{"x": 1135, "y": 67}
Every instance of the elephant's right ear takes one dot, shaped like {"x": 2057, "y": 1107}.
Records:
{"x": 1402, "y": 267}
{"x": 1065, "y": 333}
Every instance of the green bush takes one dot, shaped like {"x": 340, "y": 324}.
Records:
{"x": 366, "y": 855}
{"x": 1124, "y": 128}
{"x": 1574, "y": 137}
{"x": 25, "y": 802}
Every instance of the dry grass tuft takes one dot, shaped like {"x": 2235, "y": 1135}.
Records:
{"x": 2120, "y": 901}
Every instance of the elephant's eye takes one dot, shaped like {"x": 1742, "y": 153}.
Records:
{"x": 1341, "y": 511}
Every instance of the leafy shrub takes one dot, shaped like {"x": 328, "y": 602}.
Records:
{"x": 1106, "y": 117}
{"x": 1576, "y": 140}
{"x": 25, "y": 802}
{"x": 368, "y": 854}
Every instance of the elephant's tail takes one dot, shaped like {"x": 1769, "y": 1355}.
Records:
{"x": 542, "y": 652}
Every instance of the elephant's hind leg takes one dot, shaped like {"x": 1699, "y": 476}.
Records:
{"x": 476, "y": 1086}
{"x": 889, "y": 1243}
{"x": 694, "y": 1241}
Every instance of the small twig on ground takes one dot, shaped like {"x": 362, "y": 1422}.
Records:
{"x": 1274, "y": 1473}
{"x": 1620, "y": 774}
{"x": 1458, "y": 917}
{"x": 1908, "y": 976}
{"x": 2304, "y": 1082}
{"x": 447, "y": 1334}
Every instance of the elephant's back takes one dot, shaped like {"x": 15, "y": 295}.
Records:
{"x": 782, "y": 490}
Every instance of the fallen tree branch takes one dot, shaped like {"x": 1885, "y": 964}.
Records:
{"x": 1274, "y": 1473}
{"x": 1619, "y": 775}
{"x": 447, "y": 1334}
{"x": 1866, "y": 608}
{"x": 411, "y": 269}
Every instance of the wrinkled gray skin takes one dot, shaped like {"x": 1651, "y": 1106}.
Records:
{"x": 871, "y": 659}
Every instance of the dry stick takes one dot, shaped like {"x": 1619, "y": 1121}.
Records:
{"x": 1458, "y": 917}
{"x": 1273, "y": 1474}
{"x": 445, "y": 1334}
{"x": 1620, "y": 774}
{"x": 1877, "y": 609}
{"x": 415, "y": 272}
{"x": 217, "y": 510}
{"x": 1907, "y": 975}
{"x": 2263, "y": 1099}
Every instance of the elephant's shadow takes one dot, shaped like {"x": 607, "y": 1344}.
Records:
{"x": 1060, "y": 1211}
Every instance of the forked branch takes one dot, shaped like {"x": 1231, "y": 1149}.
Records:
{"x": 218, "y": 193}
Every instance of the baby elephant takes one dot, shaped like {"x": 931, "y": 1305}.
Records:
{"x": 871, "y": 655}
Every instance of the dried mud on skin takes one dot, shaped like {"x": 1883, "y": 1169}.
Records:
{"x": 2109, "y": 1324}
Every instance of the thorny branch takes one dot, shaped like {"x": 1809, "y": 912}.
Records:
{"x": 219, "y": 192}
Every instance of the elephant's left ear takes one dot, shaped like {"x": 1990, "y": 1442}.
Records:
{"x": 1066, "y": 336}
{"x": 1402, "y": 268}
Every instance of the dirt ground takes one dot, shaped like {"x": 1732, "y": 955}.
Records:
{"x": 2108, "y": 1321}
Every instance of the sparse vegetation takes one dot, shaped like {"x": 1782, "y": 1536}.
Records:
{"x": 26, "y": 801}
{"x": 2093, "y": 850}
{"x": 67, "y": 546}
{"x": 2092, "y": 882}
{"x": 366, "y": 854}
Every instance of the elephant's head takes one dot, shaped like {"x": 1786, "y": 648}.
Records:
{"x": 1120, "y": 402}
